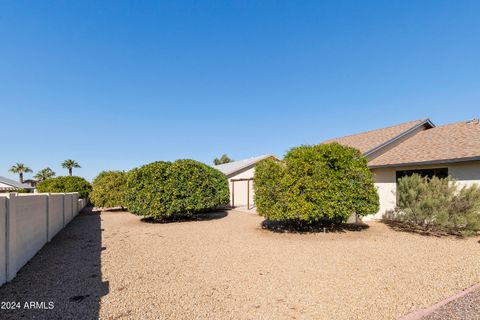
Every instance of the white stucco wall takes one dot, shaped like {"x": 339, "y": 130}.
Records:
{"x": 3, "y": 185}
{"x": 466, "y": 173}
{"x": 241, "y": 187}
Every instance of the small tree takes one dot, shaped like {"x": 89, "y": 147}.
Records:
{"x": 315, "y": 184}
{"x": 223, "y": 159}
{"x": 70, "y": 164}
{"x": 109, "y": 189}
{"x": 20, "y": 168}
{"x": 44, "y": 174}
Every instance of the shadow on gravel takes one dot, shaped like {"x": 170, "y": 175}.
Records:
{"x": 116, "y": 209}
{"x": 282, "y": 227}
{"x": 402, "y": 227}
{"x": 206, "y": 216}
{"x": 65, "y": 272}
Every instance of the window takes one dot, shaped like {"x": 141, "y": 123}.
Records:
{"x": 429, "y": 173}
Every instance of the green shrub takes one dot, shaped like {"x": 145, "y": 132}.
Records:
{"x": 438, "y": 205}
{"x": 465, "y": 211}
{"x": 66, "y": 184}
{"x": 315, "y": 184}
{"x": 161, "y": 190}
{"x": 109, "y": 189}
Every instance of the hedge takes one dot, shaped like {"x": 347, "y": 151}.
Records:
{"x": 66, "y": 184}
{"x": 109, "y": 189}
{"x": 315, "y": 184}
{"x": 161, "y": 190}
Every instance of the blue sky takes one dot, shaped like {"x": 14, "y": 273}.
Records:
{"x": 118, "y": 84}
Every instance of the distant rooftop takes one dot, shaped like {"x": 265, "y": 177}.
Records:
{"x": 235, "y": 166}
{"x": 14, "y": 184}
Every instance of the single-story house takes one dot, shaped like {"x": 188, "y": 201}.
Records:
{"x": 418, "y": 147}
{"x": 240, "y": 177}
{"x": 9, "y": 185}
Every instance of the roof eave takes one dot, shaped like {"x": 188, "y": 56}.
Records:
{"x": 420, "y": 163}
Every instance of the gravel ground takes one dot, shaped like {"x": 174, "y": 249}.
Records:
{"x": 465, "y": 308}
{"x": 227, "y": 267}
{"x": 67, "y": 272}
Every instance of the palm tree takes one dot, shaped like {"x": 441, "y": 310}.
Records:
{"x": 44, "y": 174}
{"x": 20, "y": 168}
{"x": 70, "y": 164}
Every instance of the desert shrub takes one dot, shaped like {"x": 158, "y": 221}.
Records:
{"x": 438, "y": 205}
{"x": 423, "y": 201}
{"x": 162, "y": 190}
{"x": 315, "y": 184}
{"x": 464, "y": 211}
{"x": 66, "y": 184}
{"x": 109, "y": 189}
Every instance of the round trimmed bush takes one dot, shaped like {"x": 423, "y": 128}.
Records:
{"x": 109, "y": 189}
{"x": 161, "y": 190}
{"x": 66, "y": 184}
{"x": 315, "y": 184}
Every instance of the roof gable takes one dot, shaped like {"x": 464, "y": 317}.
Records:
{"x": 374, "y": 140}
{"x": 448, "y": 143}
{"x": 235, "y": 166}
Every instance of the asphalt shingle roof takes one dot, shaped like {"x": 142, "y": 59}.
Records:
{"x": 455, "y": 141}
{"x": 367, "y": 141}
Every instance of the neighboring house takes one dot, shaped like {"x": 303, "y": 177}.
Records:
{"x": 9, "y": 185}
{"x": 418, "y": 147}
{"x": 240, "y": 177}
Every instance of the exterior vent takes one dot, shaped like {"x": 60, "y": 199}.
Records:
{"x": 474, "y": 121}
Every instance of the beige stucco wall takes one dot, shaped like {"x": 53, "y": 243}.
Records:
{"x": 27, "y": 222}
{"x": 386, "y": 187}
{"x": 3, "y": 240}
{"x": 68, "y": 207}
{"x": 466, "y": 173}
{"x": 241, "y": 187}
{"x": 31, "y": 222}
{"x": 55, "y": 218}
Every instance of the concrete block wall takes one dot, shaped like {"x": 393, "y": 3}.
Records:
{"x": 3, "y": 239}
{"x": 56, "y": 220}
{"x": 28, "y": 222}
